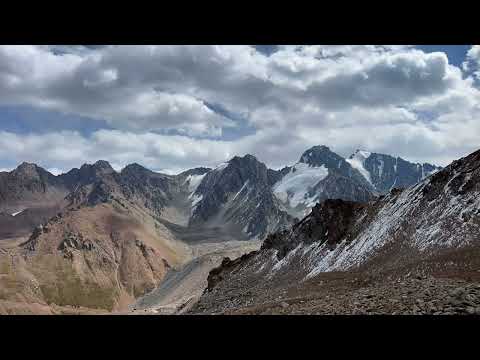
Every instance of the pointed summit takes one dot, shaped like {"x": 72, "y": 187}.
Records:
{"x": 26, "y": 167}
{"x": 88, "y": 173}
{"x": 100, "y": 167}
{"x": 31, "y": 170}
{"x": 321, "y": 155}
{"x": 103, "y": 165}
{"x": 135, "y": 167}
{"x": 240, "y": 162}
{"x": 247, "y": 158}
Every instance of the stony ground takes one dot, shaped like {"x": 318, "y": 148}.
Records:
{"x": 410, "y": 297}
{"x": 353, "y": 294}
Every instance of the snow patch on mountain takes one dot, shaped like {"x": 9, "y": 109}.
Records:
{"x": 357, "y": 161}
{"x": 194, "y": 181}
{"x": 442, "y": 224}
{"x": 294, "y": 186}
{"x": 195, "y": 199}
{"x": 241, "y": 189}
{"x": 221, "y": 166}
{"x": 380, "y": 167}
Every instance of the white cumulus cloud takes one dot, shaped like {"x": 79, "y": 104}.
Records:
{"x": 157, "y": 102}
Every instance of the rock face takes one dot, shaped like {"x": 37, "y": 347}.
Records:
{"x": 155, "y": 192}
{"x": 430, "y": 228}
{"x": 322, "y": 174}
{"x": 238, "y": 194}
{"x": 29, "y": 184}
{"x": 87, "y": 174}
{"x": 328, "y": 223}
{"x": 385, "y": 172}
{"x": 319, "y": 175}
{"x": 151, "y": 189}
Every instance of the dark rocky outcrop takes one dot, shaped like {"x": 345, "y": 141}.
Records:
{"x": 216, "y": 274}
{"x": 329, "y": 222}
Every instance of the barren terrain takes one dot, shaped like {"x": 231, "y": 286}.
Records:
{"x": 181, "y": 288}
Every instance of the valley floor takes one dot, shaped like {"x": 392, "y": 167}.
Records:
{"x": 183, "y": 287}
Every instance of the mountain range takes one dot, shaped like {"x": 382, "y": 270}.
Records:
{"x": 409, "y": 251}
{"x": 241, "y": 193}
{"x": 94, "y": 239}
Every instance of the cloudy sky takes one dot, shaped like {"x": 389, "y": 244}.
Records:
{"x": 174, "y": 107}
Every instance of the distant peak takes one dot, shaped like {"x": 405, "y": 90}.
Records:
{"x": 247, "y": 157}
{"x": 103, "y": 164}
{"x": 100, "y": 166}
{"x": 318, "y": 148}
{"x": 241, "y": 160}
{"x": 318, "y": 155}
{"x": 135, "y": 167}
{"x": 26, "y": 168}
{"x": 27, "y": 165}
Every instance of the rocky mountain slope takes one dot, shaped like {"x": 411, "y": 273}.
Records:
{"x": 386, "y": 172}
{"x": 98, "y": 257}
{"x": 111, "y": 238}
{"x": 428, "y": 231}
{"x": 319, "y": 175}
{"x": 30, "y": 185}
{"x": 238, "y": 194}
{"x": 102, "y": 248}
{"x": 23, "y": 222}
